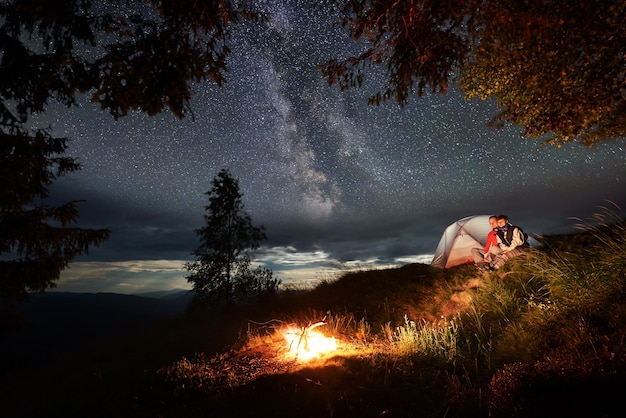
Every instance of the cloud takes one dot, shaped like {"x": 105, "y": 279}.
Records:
{"x": 131, "y": 276}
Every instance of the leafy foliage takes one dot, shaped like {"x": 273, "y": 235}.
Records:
{"x": 129, "y": 55}
{"x": 221, "y": 273}
{"x": 554, "y": 68}
{"x": 419, "y": 43}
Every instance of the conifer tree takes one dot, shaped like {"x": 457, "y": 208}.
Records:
{"x": 37, "y": 240}
{"x": 221, "y": 271}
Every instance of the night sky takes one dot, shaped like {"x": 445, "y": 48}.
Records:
{"x": 333, "y": 180}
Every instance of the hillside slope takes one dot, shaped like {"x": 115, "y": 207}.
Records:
{"x": 542, "y": 337}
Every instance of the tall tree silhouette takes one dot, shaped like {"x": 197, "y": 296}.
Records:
{"x": 37, "y": 240}
{"x": 128, "y": 56}
{"x": 221, "y": 272}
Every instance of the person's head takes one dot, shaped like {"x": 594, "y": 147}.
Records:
{"x": 502, "y": 221}
{"x": 493, "y": 222}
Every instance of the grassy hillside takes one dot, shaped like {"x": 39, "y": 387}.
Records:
{"x": 543, "y": 336}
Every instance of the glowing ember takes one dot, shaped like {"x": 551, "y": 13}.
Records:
{"x": 306, "y": 343}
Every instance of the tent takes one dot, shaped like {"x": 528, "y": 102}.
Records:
{"x": 458, "y": 240}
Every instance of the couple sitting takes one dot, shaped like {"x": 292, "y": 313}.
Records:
{"x": 504, "y": 242}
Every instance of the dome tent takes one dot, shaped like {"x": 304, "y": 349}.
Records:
{"x": 459, "y": 238}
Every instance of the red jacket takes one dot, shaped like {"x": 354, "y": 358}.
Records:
{"x": 492, "y": 240}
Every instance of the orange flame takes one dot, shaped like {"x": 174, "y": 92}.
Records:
{"x": 306, "y": 344}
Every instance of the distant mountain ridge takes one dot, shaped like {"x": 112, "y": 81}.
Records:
{"x": 61, "y": 323}
{"x": 164, "y": 294}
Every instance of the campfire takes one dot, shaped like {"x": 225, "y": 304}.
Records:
{"x": 305, "y": 343}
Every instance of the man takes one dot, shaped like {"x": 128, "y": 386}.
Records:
{"x": 482, "y": 256}
{"x": 512, "y": 242}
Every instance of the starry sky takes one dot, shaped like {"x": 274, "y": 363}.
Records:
{"x": 335, "y": 182}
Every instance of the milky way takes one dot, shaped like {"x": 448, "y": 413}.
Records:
{"x": 331, "y": 178}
